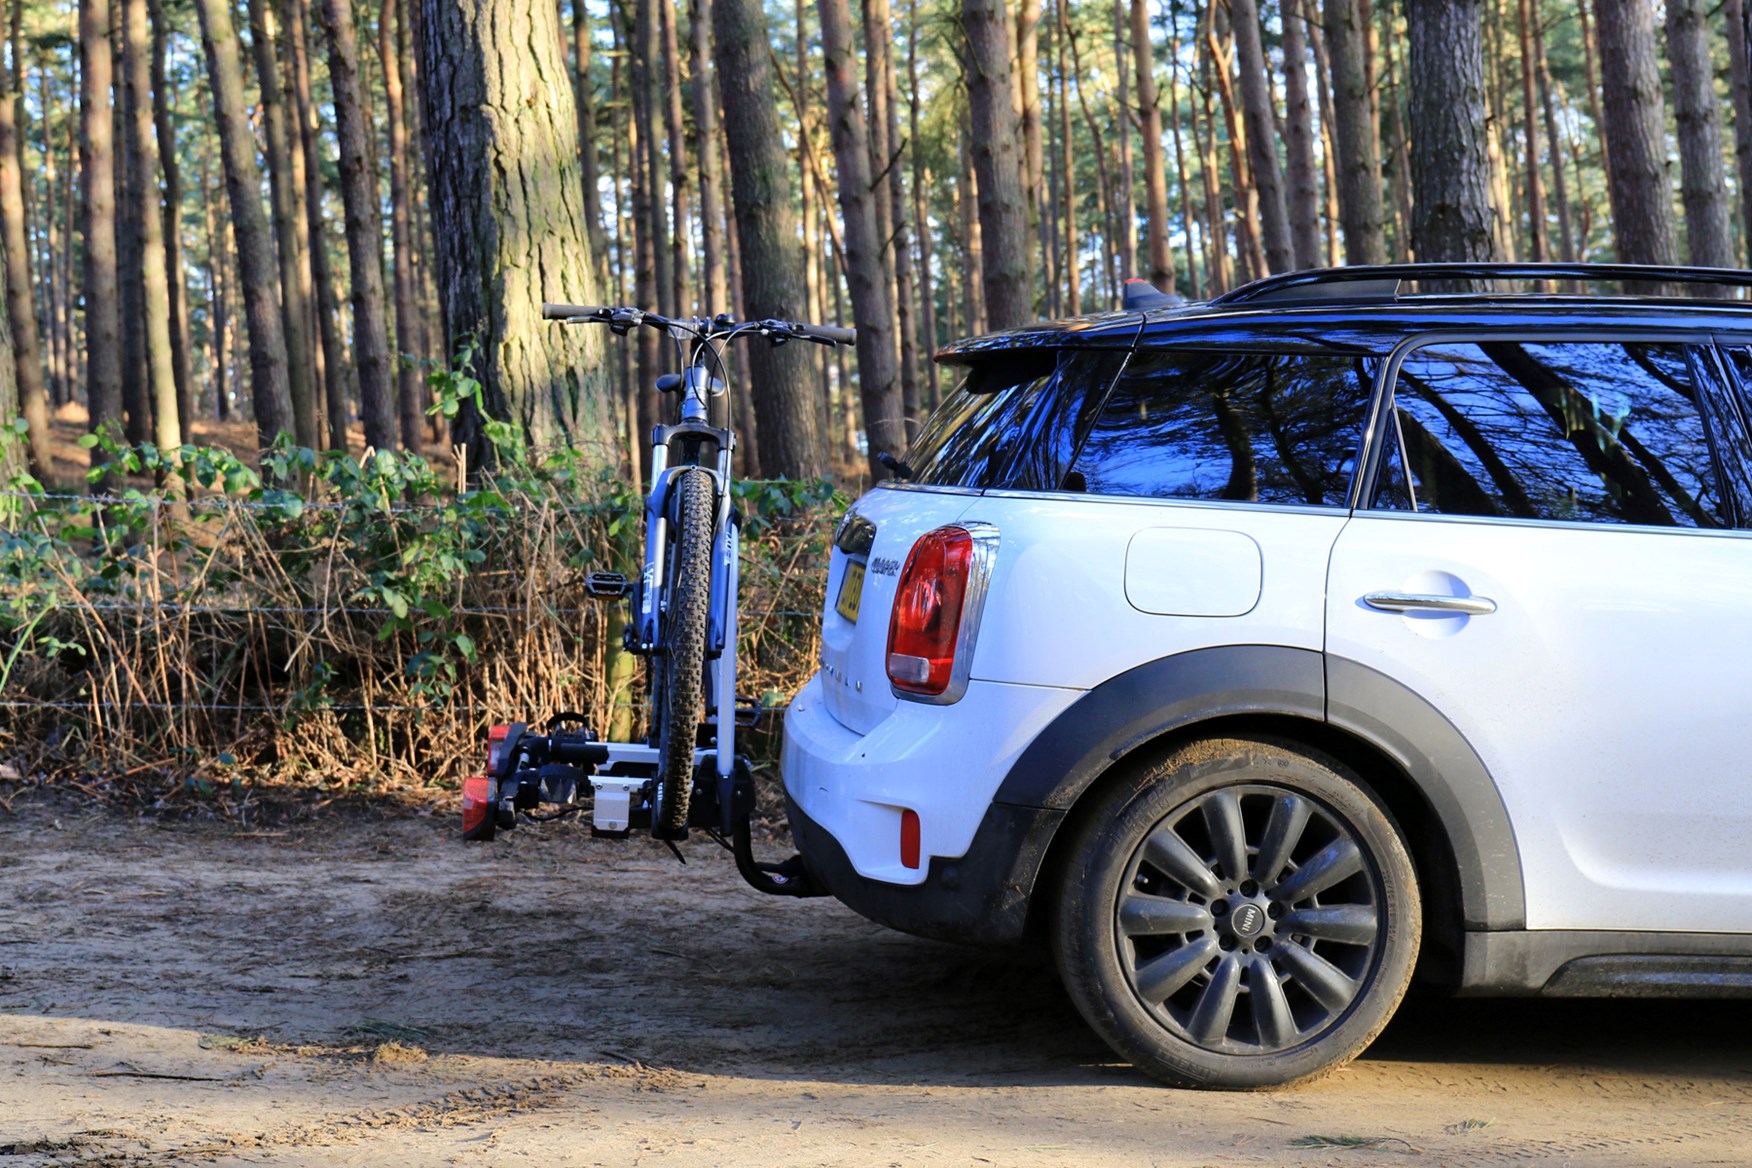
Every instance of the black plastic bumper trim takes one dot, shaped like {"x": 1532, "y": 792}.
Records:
{"x": 979, "y": 898}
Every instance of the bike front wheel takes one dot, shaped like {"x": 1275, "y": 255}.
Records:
{"x": 684, "y": 651}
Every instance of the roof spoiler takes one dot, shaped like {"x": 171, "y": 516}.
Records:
{"x": 1142, "y": 296}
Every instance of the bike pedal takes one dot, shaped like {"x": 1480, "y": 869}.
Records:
{"x": 607, "y": 585}
{"x": 748, "y": 712}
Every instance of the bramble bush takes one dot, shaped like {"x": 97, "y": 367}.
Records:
{"x": 334, "y": 626}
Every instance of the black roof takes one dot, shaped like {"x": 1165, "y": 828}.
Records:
{"x": 1359, "y": 306}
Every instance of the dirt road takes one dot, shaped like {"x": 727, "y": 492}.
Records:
{"x": 373, "y": 993}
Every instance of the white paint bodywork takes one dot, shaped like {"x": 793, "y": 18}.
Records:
{"x": 1607, "y": 696}
{"x": 1057, "y": 621}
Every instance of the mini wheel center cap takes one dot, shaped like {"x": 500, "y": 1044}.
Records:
{"x": 1247, "y": 920}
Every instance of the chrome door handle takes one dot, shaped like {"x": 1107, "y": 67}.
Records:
{"x": 1419, "y": 602}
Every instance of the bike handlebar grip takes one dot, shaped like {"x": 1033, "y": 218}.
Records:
{"x": 574, "y": 311}
{"x": 833, "y": 333}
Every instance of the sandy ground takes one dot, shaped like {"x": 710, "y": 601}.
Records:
{"x": 364, "y": 992}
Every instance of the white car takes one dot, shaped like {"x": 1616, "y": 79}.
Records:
{"x": 1258, "y": 653}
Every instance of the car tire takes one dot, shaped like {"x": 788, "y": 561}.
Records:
{"x": 1240, "y": 913}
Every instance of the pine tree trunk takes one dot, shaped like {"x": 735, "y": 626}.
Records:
{"x": 155, "y": 324}
{"x": 176, "y": 269}
{"x": 364, "y": 230}
{"x": 1262, "y": 137}
{"x": 1072, "y": 267}
{"x": 25, "y": 367}
{"x": 1126, "y": 210}
{"x": 337, "y": 368}
{"x": 921, "y": 226}
{"x": 1703, "y": 186}
{"x": 101, "y": 290}
{"x": 716, "y": 292}
{"x": 1247, "y": 242}
{"x": 136, "y": 396}
{"x": 1185, "y": 187}
{"x": 1302, "y": 198}
{"x": 1538, "y": 246}
{"x": 509, "y": 220}
{"x": 973, "y": 299}
{"x": 1353, "y": 131}
{"x": 257, "y": 276}
{"x": 1554, "y": 141}
{"x": 1027, "y": 83}
{"x": 294, "y": 275}
{"x": 1740, "y": 85}
{"x": 1155, "y": 166}
{"x": 1003, "y": 209}
{"x": 1396, "y": 151}
{"x": 409, "y": 390}
{"x": 1635, "y": 133}
{"x": 648, "y": 107}
{"x": 770, "y": 254}
{"x": 589, "y": 170}
{"x": 12, "y": 460}
{"x": 900, "y": 239}
{"x": 877, "y": 384}
{"x": 681, "y": 296}
{"x": 1450, "y": 167}
{"x": 1328, "y": 171}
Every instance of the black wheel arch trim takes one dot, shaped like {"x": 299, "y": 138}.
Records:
{"x": 1173, "y": 693}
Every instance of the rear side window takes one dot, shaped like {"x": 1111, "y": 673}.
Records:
{"x": 1012, "y": 420}
{"x": 1254, "y": 427}
{"x": 1584, "y": 432}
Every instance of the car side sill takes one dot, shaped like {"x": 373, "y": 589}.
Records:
{"x": 1598, "y": 964}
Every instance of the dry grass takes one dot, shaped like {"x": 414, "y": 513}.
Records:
{"x": 230, "y": 653}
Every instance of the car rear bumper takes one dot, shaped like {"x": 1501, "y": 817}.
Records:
{"x": 981, "y": 898}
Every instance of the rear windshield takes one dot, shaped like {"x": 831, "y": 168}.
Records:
{"x": 1012, "y": 419}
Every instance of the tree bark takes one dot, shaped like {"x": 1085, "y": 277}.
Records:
{"x": 509, "y": 220}
{"x": 1703, "y": 186}
{"x": 337, "y": 369}
{"x": 1554, "y": 142}
{"x": 648, "y": 114}
{"x": 97, "y": 189}
{"x": 1450, "y": 168}
{"x": 136, "y": 396}
{"x": 1635, "y": 133}
{"x": 1027, "y": 82}
{"x": 585, "y": 98}
{"x": 162, "y": 99}
{"x": 716, "y": 292}
{"x": 1538, "y": 248}
{"x": 877, "y": 385}
{"x": 294, "y": 275}
{"x": 364, "y": 230}
{"x": 1155, "y": 165}
{"x": 155, "y": 324}
{"x": 1302, "y": 199}
{"x": 921, "y": 226}
{"x": 1740, "y": 84}
{"x": 791, "y": 441}
{"x": 1353, "y": 131}
{"x": 1072, "y": 267}
{"x": 24, "y": 348}
{"x": 1003, "y": 211}
{"x": 12, "y": 460}
{"x": 1126, "y": 184}
{"x": 257, "y": 276}
{"x": 1256, "y": 107}
{"x": 899, "y": 236}
{"x": 409, "y": 391}
{"x": 680, "y": 297}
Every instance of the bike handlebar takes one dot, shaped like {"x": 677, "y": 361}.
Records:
{"x": 824, "y": 334}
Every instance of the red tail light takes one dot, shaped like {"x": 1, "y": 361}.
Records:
{"x": 939, "y": 592}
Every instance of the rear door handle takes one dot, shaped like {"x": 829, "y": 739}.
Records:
{"x": 1421, "y": 602}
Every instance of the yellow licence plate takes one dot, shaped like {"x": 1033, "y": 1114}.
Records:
{"x": 851, "y": 590}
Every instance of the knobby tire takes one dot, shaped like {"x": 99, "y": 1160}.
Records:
{"x": 684, "y": 650}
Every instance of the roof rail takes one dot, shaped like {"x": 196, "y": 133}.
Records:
{"x": 1381, "y": 281}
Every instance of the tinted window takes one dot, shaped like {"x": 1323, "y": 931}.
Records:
{"x": 1586, "y": 432}
{"x": 1259, "y": 427}
{"x": 1012, "y": 420}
